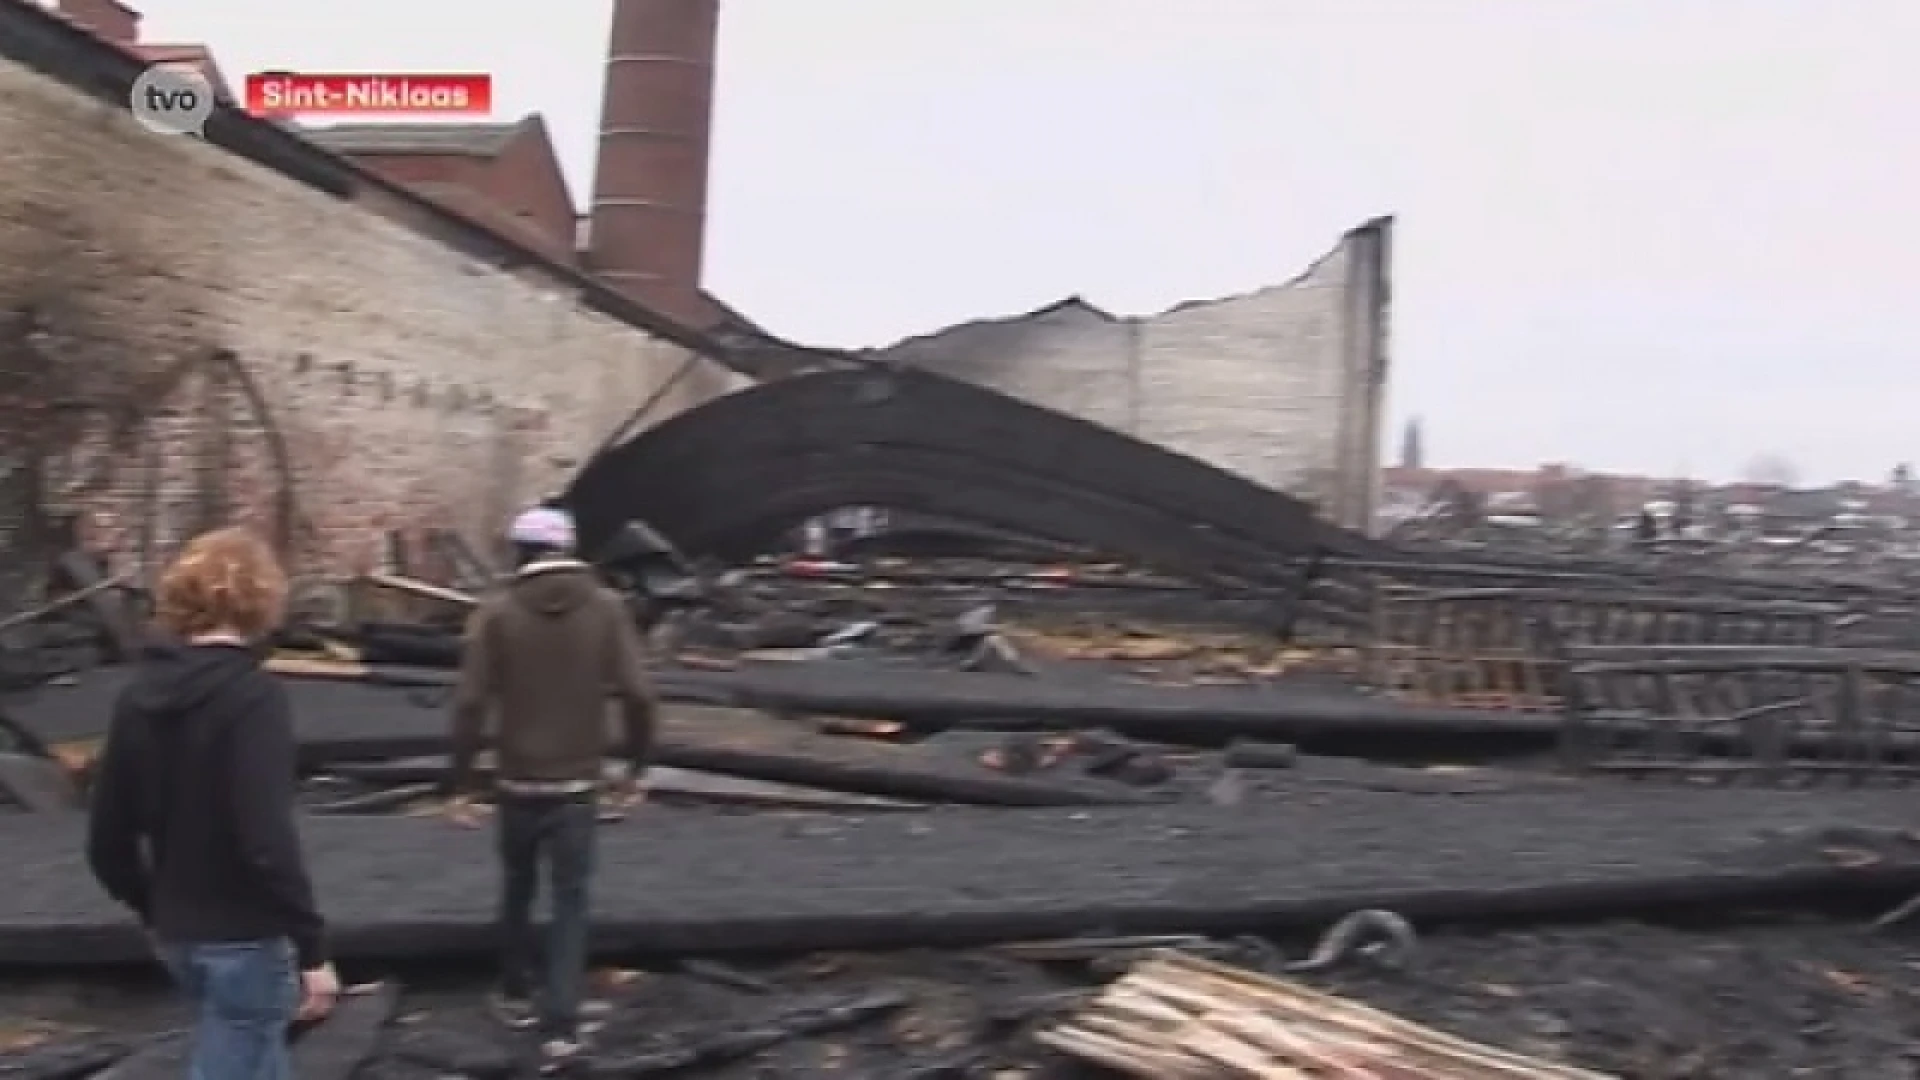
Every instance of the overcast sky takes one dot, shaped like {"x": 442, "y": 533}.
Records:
{"x": 1652, "y": 235}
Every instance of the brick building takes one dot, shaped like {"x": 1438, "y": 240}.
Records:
{"x": 1284, "y": 385}
{"x": 348, "y": 331}
{"x": 119, "y": 25}
{"x": 506, "y": 177}
{"x": 255, "y": 327}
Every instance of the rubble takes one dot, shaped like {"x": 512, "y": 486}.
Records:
{"x": 1066, "y": 764}
{"x": 1624, "y": 1000}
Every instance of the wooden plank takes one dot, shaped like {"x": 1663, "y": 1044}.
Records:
{"x": 1180, "y": 1015}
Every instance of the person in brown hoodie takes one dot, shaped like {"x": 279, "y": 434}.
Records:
{"x": 541, "y": 657}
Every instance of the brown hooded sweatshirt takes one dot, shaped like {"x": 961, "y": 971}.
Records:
{"x": 541, "y": 658}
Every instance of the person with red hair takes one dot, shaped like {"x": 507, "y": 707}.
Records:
{"x": 193, "y": 817}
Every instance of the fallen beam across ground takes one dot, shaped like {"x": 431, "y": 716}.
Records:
{"x": 343, "y": 720}
{"x": 385, "y": 714}
{"x": 1132, "y": 708}
{"x": 681, "y": 884}
{"x": 934, "y": 697}
{"x": 423, "y": 775}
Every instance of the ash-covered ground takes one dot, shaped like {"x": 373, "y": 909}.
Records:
{"x": 1813, "y": 999}
{"x": 1738, "y": 996}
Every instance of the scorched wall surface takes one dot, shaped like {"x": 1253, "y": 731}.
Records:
{"x": 1283, "y": 386}
{"x": 189, "y": 337}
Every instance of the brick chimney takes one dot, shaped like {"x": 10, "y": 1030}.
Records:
{"x": 109, "y": 19}
{"x": 649, "y": 214}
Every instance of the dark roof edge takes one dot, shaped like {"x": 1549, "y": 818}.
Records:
{"x": 1076, "y": 302}
{"x": 1380, "y": 228}
{"x": 37, "y": 38}
{"x": 734, "y": 322}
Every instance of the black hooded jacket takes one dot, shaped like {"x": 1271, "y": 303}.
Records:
{"x": 193, "y": 803}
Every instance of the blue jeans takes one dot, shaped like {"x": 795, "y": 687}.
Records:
{"x": 245, "y": 995}
{"x": 557, "y": 834}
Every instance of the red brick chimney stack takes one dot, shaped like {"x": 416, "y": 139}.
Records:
{"x": 649, "y": 213}
{"x": 109, "y": 19}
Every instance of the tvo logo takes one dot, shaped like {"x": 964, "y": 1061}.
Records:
{"x": 169, "y": 101}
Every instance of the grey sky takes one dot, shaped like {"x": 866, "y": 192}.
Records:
{"x": 1635, "y": 234}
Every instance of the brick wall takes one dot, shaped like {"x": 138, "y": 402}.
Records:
{"x": 1284, "y": 386}
{"x": 526, "y": 181}
{"x": 186, "y": 337}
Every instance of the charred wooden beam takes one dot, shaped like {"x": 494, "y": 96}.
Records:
{"x": 672, "y": 885}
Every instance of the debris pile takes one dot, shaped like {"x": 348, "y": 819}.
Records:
{"x": 1056, "y": 765}
{"x": 77, "y": 616}
{"x": 1623, "y": 1001}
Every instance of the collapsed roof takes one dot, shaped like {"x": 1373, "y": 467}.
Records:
{"x": 729, "y": 478}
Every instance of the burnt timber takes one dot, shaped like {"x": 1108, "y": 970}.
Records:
{"x": 340, "y": 722}
{"x": 402, "y": 712}
{"x": 680, "y": 884}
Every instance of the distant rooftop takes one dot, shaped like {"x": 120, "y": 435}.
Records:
{"x": 474, "y": 140}
{"x": 193, "y": 59}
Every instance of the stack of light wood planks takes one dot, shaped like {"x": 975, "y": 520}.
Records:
{"x": 1178, "y": 1017}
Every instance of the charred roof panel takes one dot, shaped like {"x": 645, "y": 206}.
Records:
{"x": 729, "y": 477}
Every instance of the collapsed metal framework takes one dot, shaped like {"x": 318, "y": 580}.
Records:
{"x": 1657, "y": 685}
{"x": 1779, "y": 714}
{"x": 730, "y": 478}
{"x": 1505, "y": 647}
